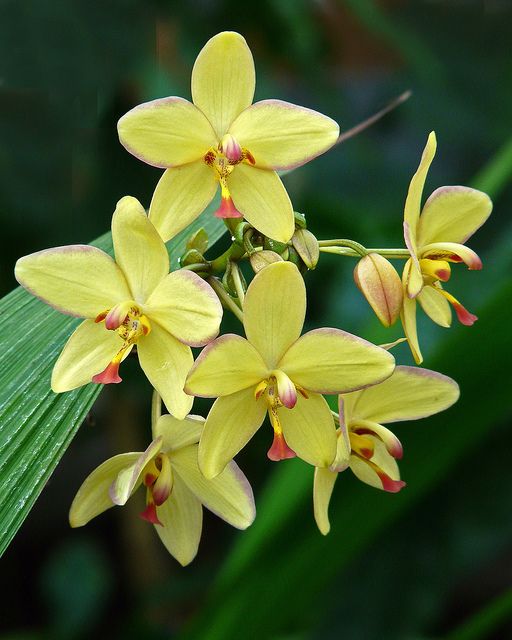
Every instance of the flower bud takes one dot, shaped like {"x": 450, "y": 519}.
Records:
{"x": 380, "y": 284}
{"x": 262, "y": 259}
{"x": 306, "y": 245}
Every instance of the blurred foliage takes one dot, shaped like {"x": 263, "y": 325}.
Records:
{"x": 434, "y": 561}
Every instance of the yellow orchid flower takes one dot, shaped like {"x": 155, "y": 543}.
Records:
{"x": 435, "y": 238}
{"x": 175, "y": 488}
{"x": 279, "y": 372}
{"x": 369, "y": 448}
{"x": 221, "y": 139}
{"x": 131, "y": 301}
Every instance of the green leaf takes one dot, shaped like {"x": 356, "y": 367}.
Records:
{"x": 37, "y": 425}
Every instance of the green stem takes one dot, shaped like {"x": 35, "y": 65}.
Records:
{"x": 197, "y": 266}
{"x": 225, "y": 298}
{"x": 397, "y": 254}
{"x": 358, "y": 248}
{"x": 219, "y": 264}
{"x": 156, "y": 407}
{"x": 237, "y": 281}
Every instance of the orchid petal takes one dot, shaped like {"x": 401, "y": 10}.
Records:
{"x": 274, "y": 310}
{"x": 93, "y": 496}
{"x": 223, "y": 79}
{"x": 261, "y": 198}
{"x": 385, "y": 464}
{"x": 333, "y": 361}
{"x": 231, "y": 423}
{"x": 436, "y": 306}
{"x": 139, "y": 250}
{"x": 166, "y": 133}
{"x": 452, "y": 252}
{"x": 413, "y": 200}
{"x": 281, "y": 135}
{"x": 178, "y": 433}
{"x": 322, "y": 490}
{"x": 410, "y": 393}
{"x": 408, "y": 318}
{"x": 181, "y": 516}
{"x": 181, "y": 194}
{"x": 453, "y": 214}
{"x": 166, "y": 362}
{"x": 78, "y": 280}
{"x": 86, "y": 353}
{"x": 187, "y": 307}
{"x": 129, "y": 478}
{"x": 414, "y": 281}
{"x": 227, "y": 365}
{"x": 309, "y": 429}
{"x": 228, "y": 495}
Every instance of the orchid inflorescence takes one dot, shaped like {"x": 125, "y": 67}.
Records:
{"x": 133, "y": 303}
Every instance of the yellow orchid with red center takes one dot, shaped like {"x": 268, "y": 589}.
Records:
{"x": 435, "y": 239}
{"x": 176, "y": 490}
{"x": 133, "y": 300}
{"x": 369, "y": 448}
{"x": 279, "y": 372}
{"x": 223, "y": 139}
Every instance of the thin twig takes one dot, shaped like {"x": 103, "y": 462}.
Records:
{"x": 225, "y": 298}
{"x": 375, "y": 118}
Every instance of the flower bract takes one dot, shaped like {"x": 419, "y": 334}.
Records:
{"x": 221, "y": 139}
{"x": 132, "y": 301}
{"x": 278, "y": 372}
{"x": 176, "y": 490}
{"x": 435, "y": 237}
{"x": 371, "y": 449}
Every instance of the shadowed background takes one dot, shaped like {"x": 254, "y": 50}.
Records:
{"x": 434, "y": 561}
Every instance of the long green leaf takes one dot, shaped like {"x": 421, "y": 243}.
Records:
{"x": 36, "y": 425}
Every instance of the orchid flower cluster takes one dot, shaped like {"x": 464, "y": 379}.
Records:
{"x": 134, "y": 304}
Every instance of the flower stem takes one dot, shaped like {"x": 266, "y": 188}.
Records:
{"x": 329, "y": 246}
{"x": 225, "y": 298}
{"x": 156, "y": 407}
{"x": 237, "y": 281}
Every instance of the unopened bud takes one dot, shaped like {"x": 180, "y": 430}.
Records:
{"x": 261, "y": 259}
{"x": 198, "y": 241}
{"x": 306, "y": 245}
{"x": 380, "y": 284}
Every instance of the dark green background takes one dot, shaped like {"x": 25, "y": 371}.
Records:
{"x": 434, "y": 561}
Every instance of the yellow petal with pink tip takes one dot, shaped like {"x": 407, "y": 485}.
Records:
{"x": 166, "y": 362}
{"x": 453, "y": 214}
{"x": 323, "y": 486}
{"x": 93, "y": 497}
{"x": 281, "y": 135}
{"x": 223, "y": 79}
{"x": 228, "y": 495}
{"x": 381, "y": 472}
{"x": 309, "y": 429}
{"x": 231, "y": 423}
{"x": 452, "y": 252}
{"x": 67, "y": 278}
{"x": 334, "y": 361}
{"x": 259, "y": 195}
{"x": 227, "y": 365}
{"x": 274, "y": 310}
{"x": 181, "y": 194}
{"x": 166, "y": 133}
{"x": 87, "y": 352}
{"x": 181, "y": 516}
{"x": 140, "y": 251}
